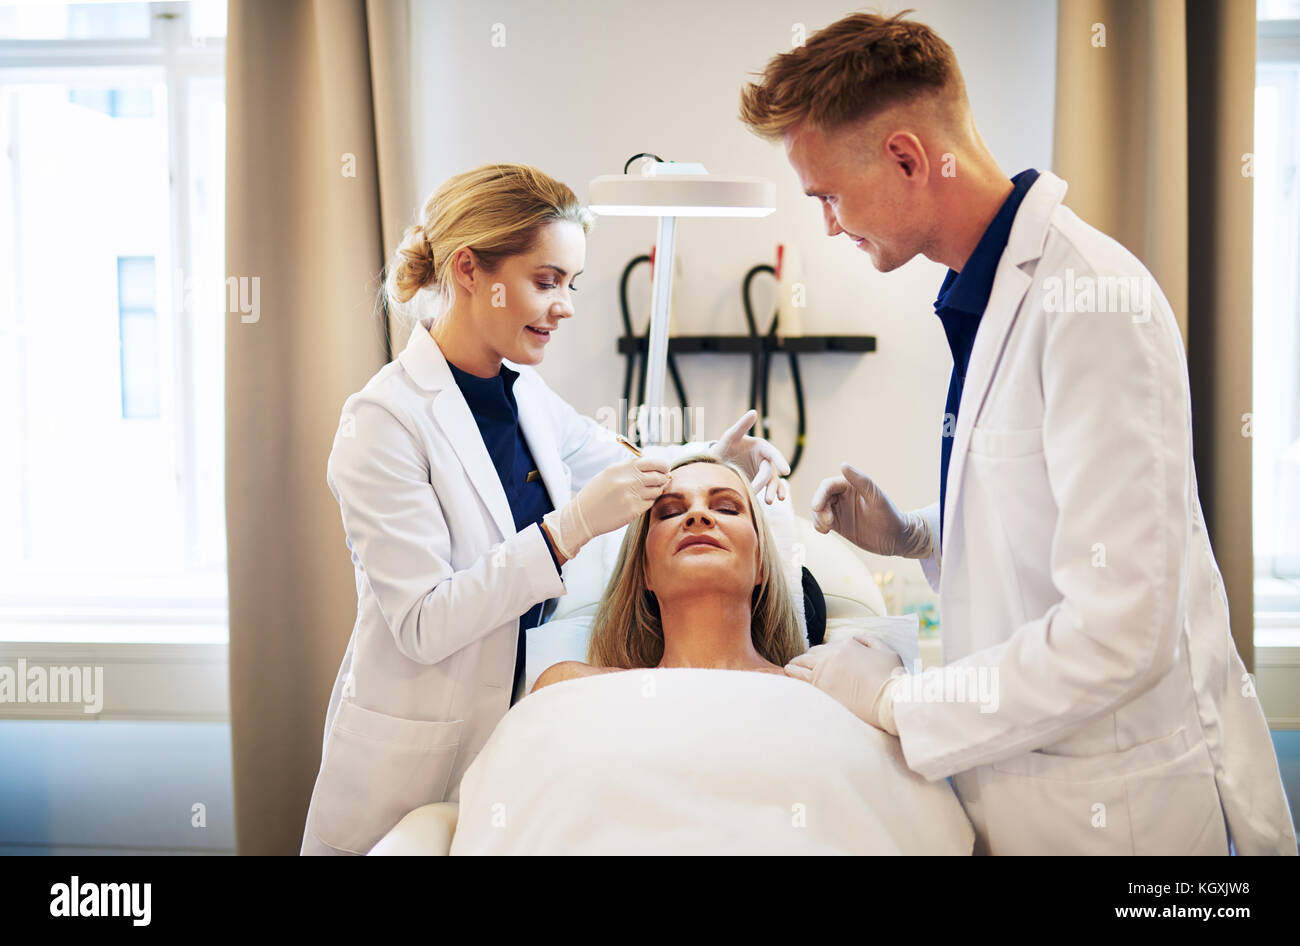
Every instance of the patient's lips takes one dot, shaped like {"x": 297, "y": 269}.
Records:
{"x": 698, "y": 540}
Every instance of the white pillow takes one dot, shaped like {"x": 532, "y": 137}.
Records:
{"x": 898, "y": 633}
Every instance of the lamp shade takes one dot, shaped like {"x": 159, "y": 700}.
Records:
{"x": 669, "y": 190}
{"x": 681, "y": 195}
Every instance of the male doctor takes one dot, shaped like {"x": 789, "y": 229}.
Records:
{"x": 1092, "y": 701}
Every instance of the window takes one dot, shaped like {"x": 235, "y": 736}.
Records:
{"x": 75, "y": 21}
{"x": 138, "y": 330}
{"x": 112, "y": 302}
{"x": 116, "y": 103}
{"x": 1275, "y": 417}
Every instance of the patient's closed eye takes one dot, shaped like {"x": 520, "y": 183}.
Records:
{"x": 726, "y": 505}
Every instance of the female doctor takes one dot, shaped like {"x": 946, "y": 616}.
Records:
{"x": 454, "y": 470}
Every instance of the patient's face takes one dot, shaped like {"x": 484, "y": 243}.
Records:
{"x": 703, "y": 501}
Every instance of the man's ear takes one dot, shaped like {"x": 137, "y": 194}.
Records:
{"x": 908, "y": 154}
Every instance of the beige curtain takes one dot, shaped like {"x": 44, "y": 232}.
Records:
{"x": 310, "y": 202}
{"x": 1154, "y": 115}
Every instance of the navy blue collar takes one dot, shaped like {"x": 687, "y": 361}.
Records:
{"x": 505, "y": 375}
{"x": 969, "y": 290}
{"x": 487, "y": 396}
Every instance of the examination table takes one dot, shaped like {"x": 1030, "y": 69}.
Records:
{"x": 853, "y": 605}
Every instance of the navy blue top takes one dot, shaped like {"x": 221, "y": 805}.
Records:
{"x": 492, "y": 402}
{"x": 960, "y": 307}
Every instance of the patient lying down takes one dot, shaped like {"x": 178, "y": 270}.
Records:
{"x": 698, "y": 583}
{"x": 682, "y": 733}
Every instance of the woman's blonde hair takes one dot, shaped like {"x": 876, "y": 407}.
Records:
{"x": 497, "y": 211}
{"x": 627, "y": 632}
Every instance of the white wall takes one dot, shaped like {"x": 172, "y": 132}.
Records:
{"x": 582, "y": 85}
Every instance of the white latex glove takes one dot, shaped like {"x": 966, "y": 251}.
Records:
{"x": 762, "y": 462}
{"x": 858, "y": 673}
{"x": 852, "y": 505}
{"x": 614, "y": 497}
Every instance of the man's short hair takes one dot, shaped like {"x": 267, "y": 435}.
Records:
{"x": 849, "y": 72}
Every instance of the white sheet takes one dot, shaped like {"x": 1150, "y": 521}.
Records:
{"x": 694, "y": 761}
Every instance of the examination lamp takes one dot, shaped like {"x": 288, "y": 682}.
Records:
{"x": 669, "y": 190}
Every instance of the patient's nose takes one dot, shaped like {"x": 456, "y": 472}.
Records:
{"x": 698, "y": 516}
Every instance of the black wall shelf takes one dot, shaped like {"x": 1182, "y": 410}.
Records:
{"x": 745, "y": 344}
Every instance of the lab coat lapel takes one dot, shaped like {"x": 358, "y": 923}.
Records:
{"x": 1009, "y": 287}
{"x": 1024, "y": 244}
{"x": 457, "y": 421}
{"x": 426, "y": 364}
{"x": 542, "y": 439}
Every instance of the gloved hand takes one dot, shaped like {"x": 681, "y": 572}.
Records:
{"x": 852, "y": 505}
{"x": 857, "y": 672}
{"x": 762, "y": 462}
{"x": 614, "y": 497}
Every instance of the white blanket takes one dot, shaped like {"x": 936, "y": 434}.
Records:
{"x": 689, "y": 761}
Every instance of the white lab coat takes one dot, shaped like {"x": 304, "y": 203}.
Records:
{"x": 1076, "y": 564}
{"x": 442, "y": 579}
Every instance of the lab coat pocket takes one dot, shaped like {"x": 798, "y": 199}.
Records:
{"x": 377, "y": 769}
{"x": 1045, "y": 764}
{"x": 1158, "y": 797}
{"x": 1006, "y": 443}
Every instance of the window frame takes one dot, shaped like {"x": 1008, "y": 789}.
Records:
{"x": 1277, "y": 599}
{"x": 199, "y": 612}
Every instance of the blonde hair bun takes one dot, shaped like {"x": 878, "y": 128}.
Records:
{"x": 415, "y": 267}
